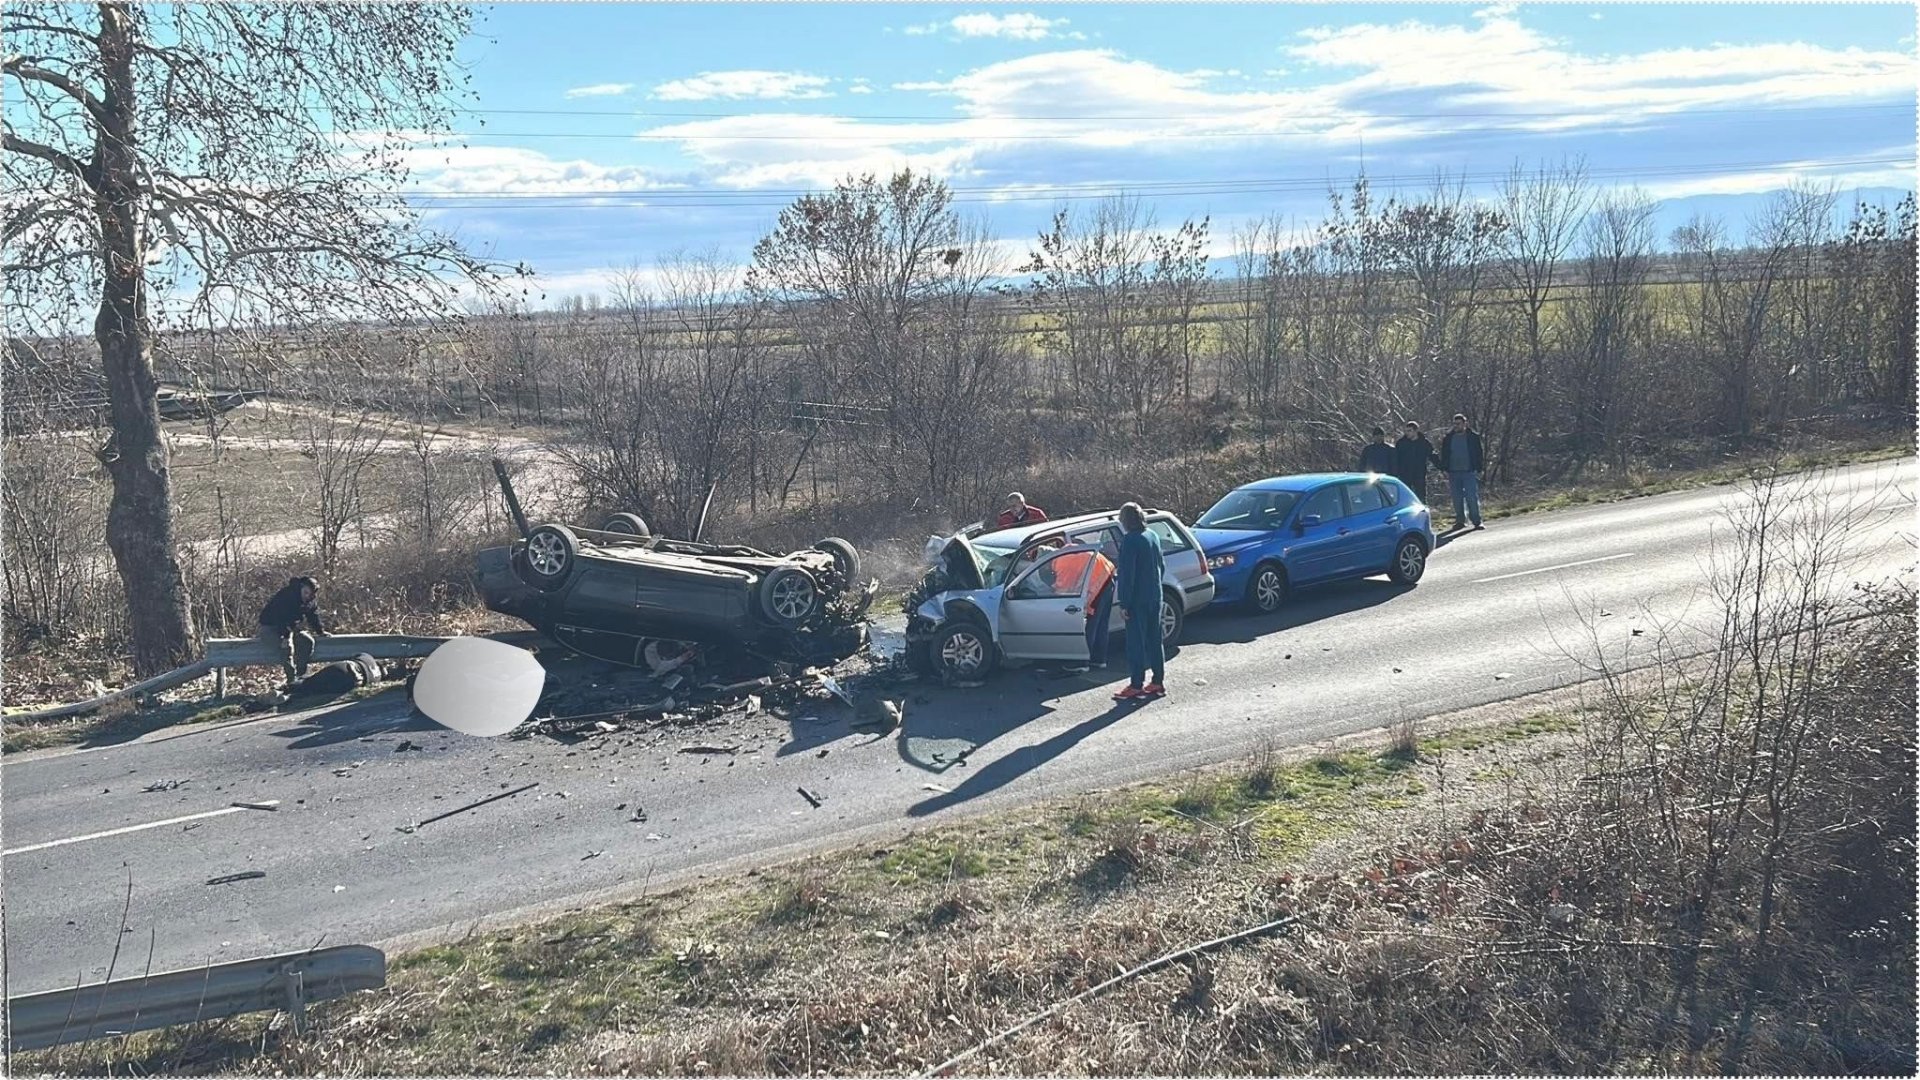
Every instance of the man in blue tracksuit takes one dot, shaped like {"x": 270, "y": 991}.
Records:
{"x": 1136, "y": 589}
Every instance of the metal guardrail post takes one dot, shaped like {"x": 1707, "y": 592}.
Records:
{"x": 289, "y": 981}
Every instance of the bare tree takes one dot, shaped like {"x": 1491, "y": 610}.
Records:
{"x": 857, "y": 272}
{"x": 247, "y": 151}
{"x": 1543, "y": 212}
{"x": 1609, "y": 318}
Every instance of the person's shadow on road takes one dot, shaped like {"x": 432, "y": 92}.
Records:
{"x": 1004, "y": 770}
{"x": 387, "y": 712}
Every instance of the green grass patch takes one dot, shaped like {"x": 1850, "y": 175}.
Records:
{"x": 935, "y": 860}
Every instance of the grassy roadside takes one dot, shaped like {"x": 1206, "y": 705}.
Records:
{"x": 1644, "y": 482}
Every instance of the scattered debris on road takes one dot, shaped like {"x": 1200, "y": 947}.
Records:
{"x": 470, "y": 806}
{"x": 406, "y": 745}
{"x": 267, "y": 804}
{"x": 165, "y": 785}
{"x": 811, "y": 798}
{"x": 244, "y": 875}
{"x": 709, "y": 749}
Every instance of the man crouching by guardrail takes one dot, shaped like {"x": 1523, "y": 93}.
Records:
{"x": 280, "y": 626}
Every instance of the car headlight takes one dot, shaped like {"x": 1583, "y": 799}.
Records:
{"x": 1219, "y": 562}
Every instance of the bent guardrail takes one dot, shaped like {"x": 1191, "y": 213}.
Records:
{"x": 289, "y": 981}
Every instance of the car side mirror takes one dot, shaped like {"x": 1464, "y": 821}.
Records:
{"x": 1307, "y": 521}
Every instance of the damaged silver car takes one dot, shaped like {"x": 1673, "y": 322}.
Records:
{"x": 1020, "y": 594}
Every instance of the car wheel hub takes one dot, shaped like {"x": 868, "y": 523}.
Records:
{"x": 962, "y": 653}
{"x": 1267, "y": 590}
{"x": 1412, "y": 559}
{"x": 547, "y": 554}
{"x": 793, "y": 596}
{"x": 1167, "y": 620}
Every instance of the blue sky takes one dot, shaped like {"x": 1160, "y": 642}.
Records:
{"x": 616, "y": 134}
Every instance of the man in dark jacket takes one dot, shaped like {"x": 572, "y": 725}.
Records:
{"x": 280, "y": 621}
{"x": 1462, "y": 456}
{"x": 1411, "y": 455}
{"x": 1377, "y": 456}
{"x": 1136, "y": 589}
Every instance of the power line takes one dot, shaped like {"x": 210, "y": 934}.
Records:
{"x": 642, "y": 114}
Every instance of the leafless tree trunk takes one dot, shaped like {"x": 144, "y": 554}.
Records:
{"x": 207, "y": 147}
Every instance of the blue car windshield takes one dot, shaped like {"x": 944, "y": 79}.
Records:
{"x": 1249, "y": 509}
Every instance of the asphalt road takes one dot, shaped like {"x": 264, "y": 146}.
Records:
{"x": 1501, "y": 613}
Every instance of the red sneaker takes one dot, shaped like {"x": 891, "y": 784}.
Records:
{"x": 1154, "y": 689}
{"x": 1131, "y": 693}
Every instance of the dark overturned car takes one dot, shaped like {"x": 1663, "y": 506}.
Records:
{"x": 610, "y": 592}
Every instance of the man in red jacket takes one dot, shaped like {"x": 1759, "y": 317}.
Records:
{"x": 1018, "y": 512}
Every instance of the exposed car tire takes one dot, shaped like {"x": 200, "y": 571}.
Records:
{"x": 551, "y": 553}
{"x": 1409, "y": 561}
{"x": 962, "y": 651}
{"x": 846, "y": 558}
{"x": 1173, "y": 619}
{"x": 630, "y": 524}
{"x": 789, "y": 596}
{"x": 1266, "y": 589}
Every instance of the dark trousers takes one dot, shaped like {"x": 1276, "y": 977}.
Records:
{"x": 1098, "y": 615}
{"x": 1417, "y": 483}
{"x": 1145, "y": 651}
{"x": 292, "y": 646}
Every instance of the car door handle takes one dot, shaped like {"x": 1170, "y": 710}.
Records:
{"x": 1073, "y": 609}
{"x": 1343, "y": 532}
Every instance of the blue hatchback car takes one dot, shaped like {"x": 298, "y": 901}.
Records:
{"x": 1273, "y": 535}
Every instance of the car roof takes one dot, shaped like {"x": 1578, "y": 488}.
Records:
{"x": 1020, "y": 534}
{"x": 1307, "y": 481}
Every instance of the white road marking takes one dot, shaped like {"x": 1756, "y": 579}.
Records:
{"x": 1562, "y": 566}
{"x": 127, "y": 829}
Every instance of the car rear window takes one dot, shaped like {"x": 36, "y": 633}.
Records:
{"x": 1171, "y": 542}
{"x": 1364, "y": 496}
{"x": 1326, "y": 502}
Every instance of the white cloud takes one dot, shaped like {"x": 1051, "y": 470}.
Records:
{"x": 1499, "y": 62}
{"x": 609, "y": 89}
{"x": 504, "y": 171}
{"x": 1020, "y": 26}
{"x": 736, "y": 85}
{"x": 860, "y": 88}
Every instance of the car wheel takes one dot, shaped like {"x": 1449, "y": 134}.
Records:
{"x": 629, "y": 524}
{"x": 846, "y": 558}
{"x": 789, "y": 596}
{"x": 551, "y": 552}
{"x": 1266, "y": 589}
{"x": 1173, "y": 619}
{"x": 1409, "y": 561}
{"x": 962, "y": 651}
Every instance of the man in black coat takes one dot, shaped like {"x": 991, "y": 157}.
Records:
{"x": 1377, "y": 456}
{"x": 1463, "y": 456}
{"x": 1412, "y": 453}
{"x": 280, "y": 623}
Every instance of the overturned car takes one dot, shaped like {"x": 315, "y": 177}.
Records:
{"x": 609, "y": 592}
